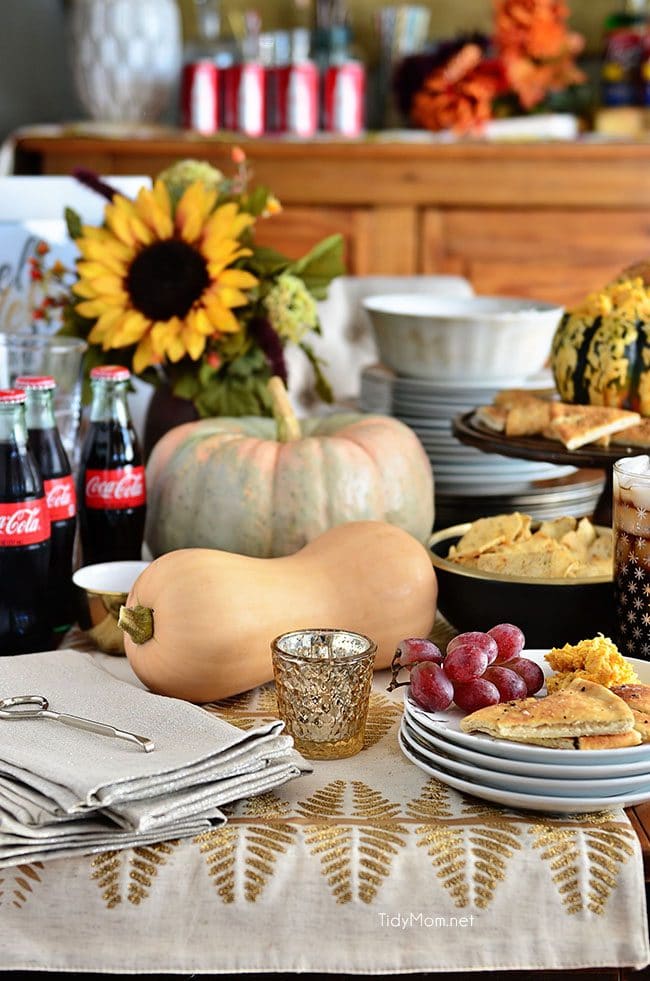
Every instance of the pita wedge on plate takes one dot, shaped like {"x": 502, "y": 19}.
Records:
{"x": 638, "y": 698}
{"x": 581, "y": 424}
{"x": 579, "y": 716}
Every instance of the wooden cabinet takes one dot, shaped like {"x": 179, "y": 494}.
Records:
{"x": 551, "y": 221}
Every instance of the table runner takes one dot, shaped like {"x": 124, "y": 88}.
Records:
{"x": 366, "y": 865}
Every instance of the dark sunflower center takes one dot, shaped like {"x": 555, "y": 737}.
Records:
{"x": 166, "y": 278}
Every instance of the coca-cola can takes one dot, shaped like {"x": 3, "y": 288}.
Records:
{"x": 344, "y": 98}
{"x": 250, "y": 100}
{"x": 200, "y": 97}
{"x": 302, "y": 99}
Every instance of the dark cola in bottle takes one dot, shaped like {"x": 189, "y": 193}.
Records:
{"x": 111, "y": 487}
{"x": 58, "y": 483}
{"x": 24, "y": 536}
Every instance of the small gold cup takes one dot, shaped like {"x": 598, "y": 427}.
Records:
{"x": 322, "y": 682}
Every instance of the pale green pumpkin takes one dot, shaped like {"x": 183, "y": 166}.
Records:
{"x": 266, "y": 487}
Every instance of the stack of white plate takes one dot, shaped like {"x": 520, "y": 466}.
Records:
{"x": 496, "y": 482}
{"x": 522, "y": 776}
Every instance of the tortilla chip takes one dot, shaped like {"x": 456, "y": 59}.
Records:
{"x": 487, "y": 533}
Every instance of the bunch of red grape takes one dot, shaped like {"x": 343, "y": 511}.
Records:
{"x": 477, "y": 669}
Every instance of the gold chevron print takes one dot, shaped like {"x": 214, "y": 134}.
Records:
{"x": 106, "y": 869}
{"x": 219, "y": 845}
{"x": 444, "y": 844}
{"x": 265, "y": 842}
{"x": 146, "y": 861}
{"x": 607, "y": 850}
{"x": 383, "y": 713}
{"x": 491, "y": 846}
{"x": 560, "y": 847}
{"x": 379, "y": 841}
{"x": 23, "y": 879}
{"x": 332, "y": 843}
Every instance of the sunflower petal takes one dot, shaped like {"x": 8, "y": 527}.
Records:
{"x": 238, "y": 278}
{"x": 192, "y": 210}
{"x": 104, "y": 325}
{"x": 221, "y": 317}
{"x": 156, "y": 217}
{"x": 144, "y": 355}
{"x": 133, "y": 327}
{"x": 94, "y": 308}
{"x": 119, "y": 223}
{"x": 231, "y": 297}
{"x": 194, "y": 342}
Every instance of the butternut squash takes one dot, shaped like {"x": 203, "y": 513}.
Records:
{"x": 199, "y": 622}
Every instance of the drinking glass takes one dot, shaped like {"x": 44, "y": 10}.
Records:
{"x": 322, "y": 683}
{"x": 631, "y": 521}
{"x": 61, "y": 357}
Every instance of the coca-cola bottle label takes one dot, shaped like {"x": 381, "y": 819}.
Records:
{"x": 115, "y": 489}
{"x": 24, "y": 523}
{"x": 61, "y": 498}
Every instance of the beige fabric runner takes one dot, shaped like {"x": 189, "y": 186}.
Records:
{"x": 364, "y": 866}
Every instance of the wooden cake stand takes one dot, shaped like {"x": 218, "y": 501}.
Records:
{"x": 467, "y": 430}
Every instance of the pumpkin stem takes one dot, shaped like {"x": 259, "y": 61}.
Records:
{"x": 137, "y": 622}
{"x": 285, "y": 417}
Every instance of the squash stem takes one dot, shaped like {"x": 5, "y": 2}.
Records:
{"x": 285, "y": 417}
{"x": 137, "y": 622}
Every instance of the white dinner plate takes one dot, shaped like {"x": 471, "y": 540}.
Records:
{"x": 503, "y": 764}
{"x": 527, "y": 783}
{"x": 447, "y": 725}
{"x": 520, "y": 801}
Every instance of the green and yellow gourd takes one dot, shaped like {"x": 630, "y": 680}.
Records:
{"x": 265, "y": 487}
{"x": 600, "y": 354}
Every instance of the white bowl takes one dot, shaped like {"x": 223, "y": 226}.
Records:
{"x": 497, "y": 338}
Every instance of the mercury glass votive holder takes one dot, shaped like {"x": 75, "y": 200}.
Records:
{"x": 322, "y": 682}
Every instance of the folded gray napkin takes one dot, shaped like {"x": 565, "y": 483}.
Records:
{"x": 64, "y": 789}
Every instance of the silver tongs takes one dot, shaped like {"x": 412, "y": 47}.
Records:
{"x": 20, "y": 707}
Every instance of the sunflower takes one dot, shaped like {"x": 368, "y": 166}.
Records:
{"x": 161, "y": 277}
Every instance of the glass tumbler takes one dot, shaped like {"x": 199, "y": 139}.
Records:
{"x": 631, "y": 522}
{"x": 61, "y": 357}
{"x": 322, "y": 682}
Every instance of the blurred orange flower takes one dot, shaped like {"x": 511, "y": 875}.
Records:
{"x": 459, "y": 94}
{"x": 537, "y": 48}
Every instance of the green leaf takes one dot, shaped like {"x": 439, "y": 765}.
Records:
{"x": 254, "y": 202}
{"x": 73, "y": 223}
{"x": 321, "y": 265}
{"x": 322, "y": 385}
{"x": 267, "y": 262}
{"x": 186, "y": 384}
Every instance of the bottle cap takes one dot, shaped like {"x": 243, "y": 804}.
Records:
{"x": 12, "y": 396}
{"x": 41, "y": 383}
{"x": 110, "y": 372}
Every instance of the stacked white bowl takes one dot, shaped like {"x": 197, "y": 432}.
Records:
{"x": 443, "y": 356}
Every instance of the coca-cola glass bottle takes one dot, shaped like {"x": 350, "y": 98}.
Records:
{"x": 24, "y": 536}
{"x": 51, "y": 458}
{"x": 111, "y": 487}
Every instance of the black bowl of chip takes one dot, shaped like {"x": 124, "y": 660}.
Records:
{"x": 551, "y": 612}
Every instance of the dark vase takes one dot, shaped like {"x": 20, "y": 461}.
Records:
{"x": 165, "y": 411}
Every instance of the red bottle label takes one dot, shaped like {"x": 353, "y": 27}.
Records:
{"x": 115, "y": 489}
{"x": 24, "y": 523}
{"x": 61, "y": 498}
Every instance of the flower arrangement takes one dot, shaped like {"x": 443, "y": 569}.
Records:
{"x": 464, "y": 83}
{"x": 173, "y": 286}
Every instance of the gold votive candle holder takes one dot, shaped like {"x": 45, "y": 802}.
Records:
{"x": 322, "y": 682}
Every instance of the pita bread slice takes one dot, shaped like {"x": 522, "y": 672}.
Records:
{"x": 636, "y": 696}
{"x": 583, "y": 708}
{"x": 616, "y": 740}
{"x": 528, "y": 418}
{"x": 638, "y": 435}
{"x": 577, "y": 425}
{"x": 491, "y": 417}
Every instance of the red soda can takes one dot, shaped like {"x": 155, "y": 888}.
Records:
{"x": 302, "y": 99}
{"x": 276, "y": 98}
{"x": 345, "y": 87}
{"x": 200, "y": 97}
{"x": 250, "y": 99}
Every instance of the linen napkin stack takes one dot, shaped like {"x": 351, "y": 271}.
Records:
{"x": 65, "y": 791}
